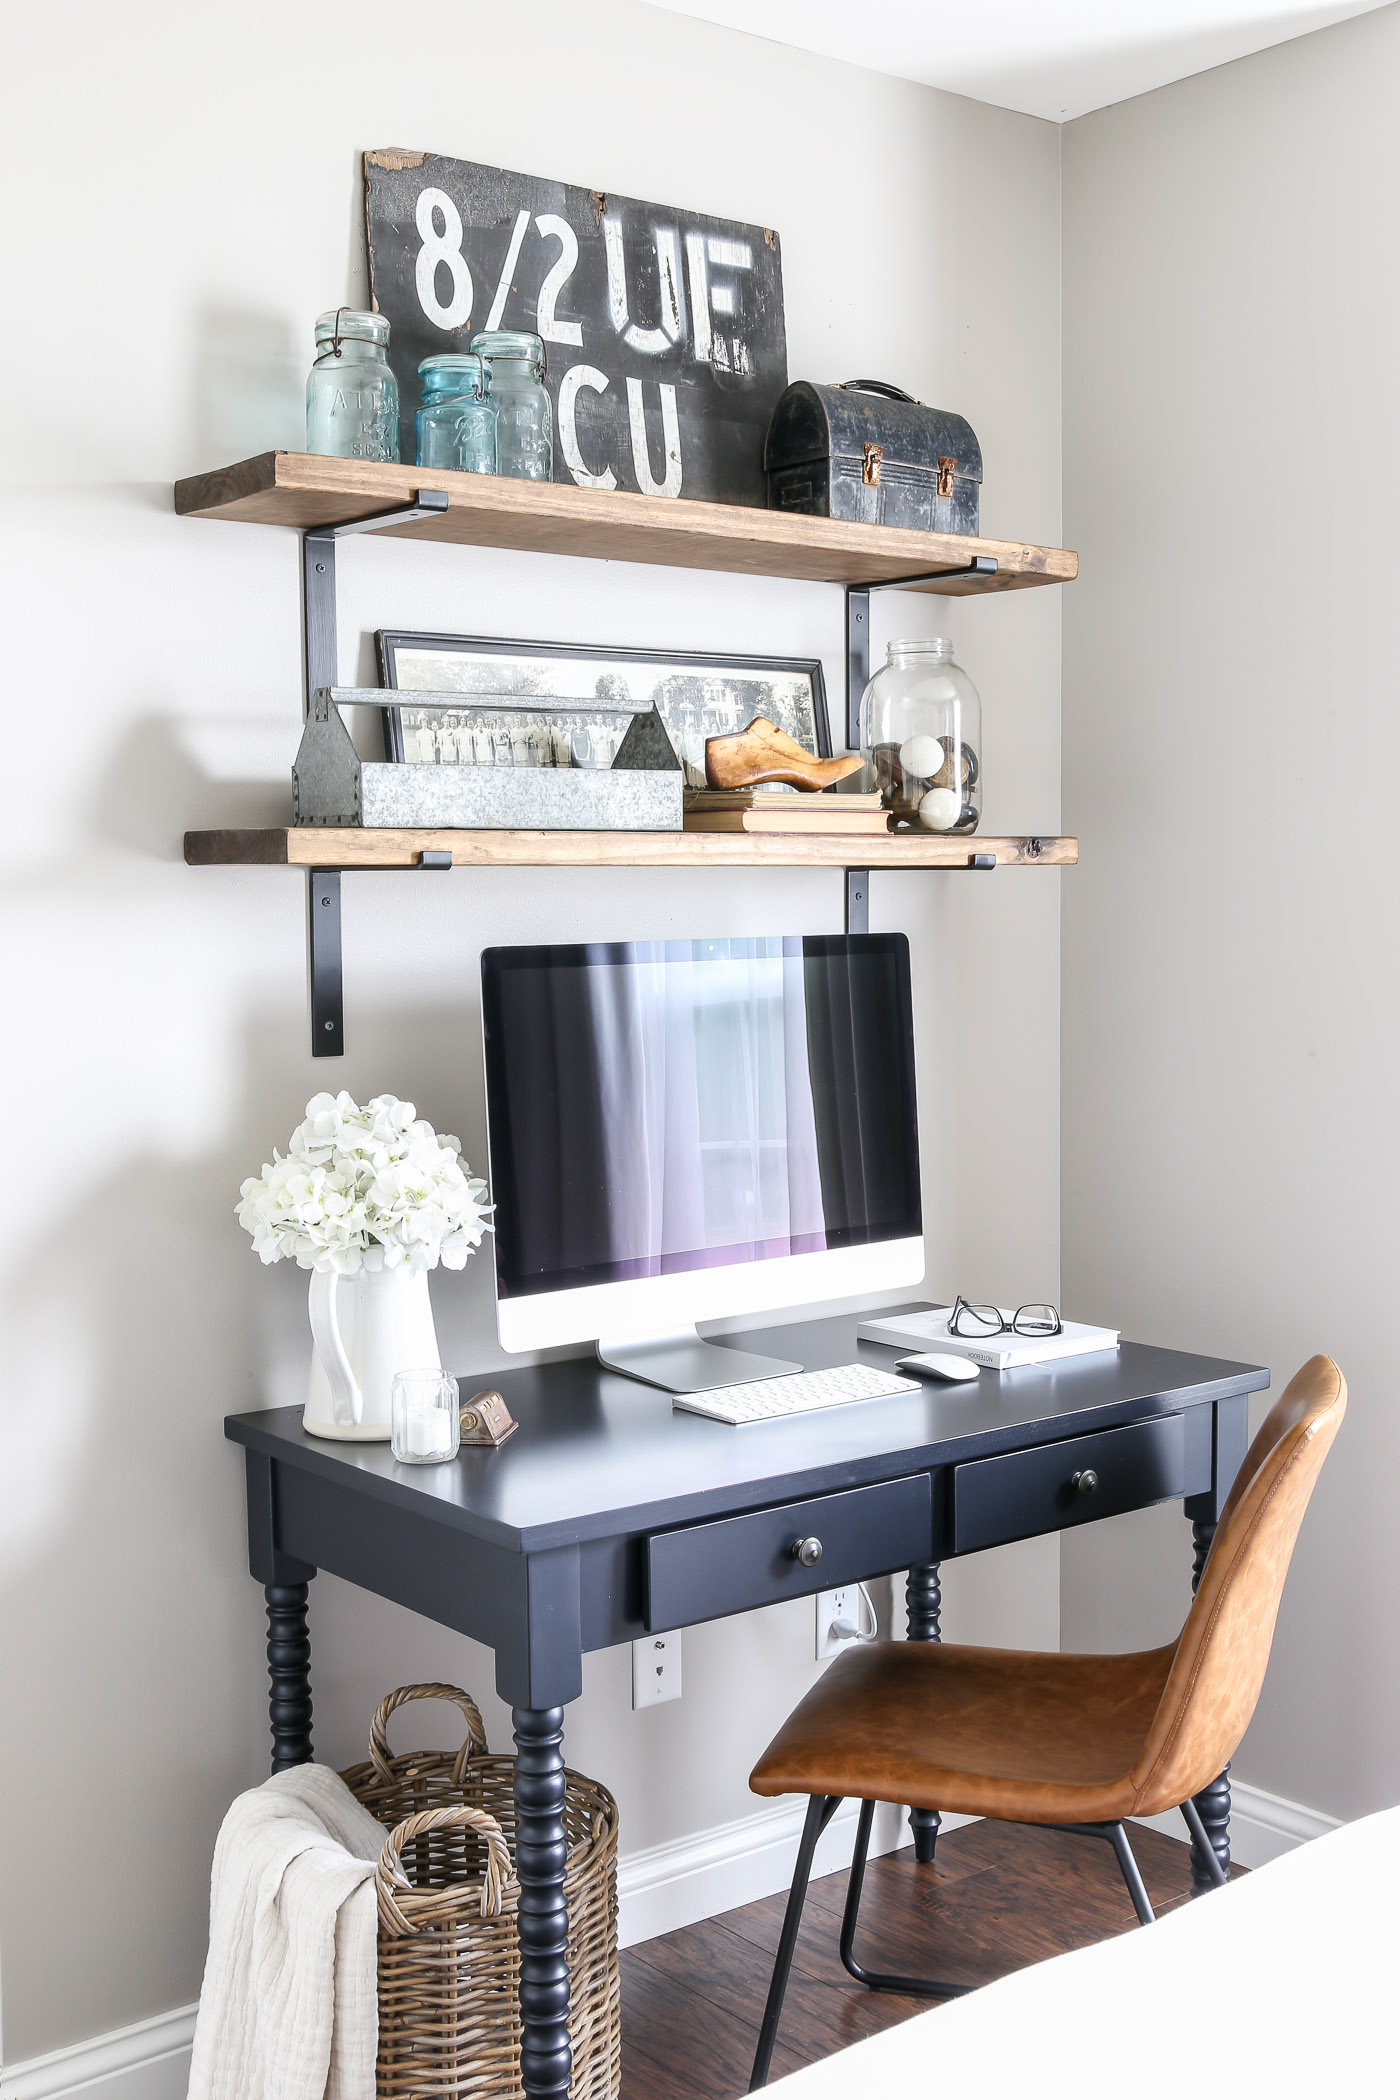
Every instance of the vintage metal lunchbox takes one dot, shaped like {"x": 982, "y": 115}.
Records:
{"x": 871, "y": 453}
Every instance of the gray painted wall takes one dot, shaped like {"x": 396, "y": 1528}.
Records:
{"x": 1231, "y": 1140}
{"x": 191, "y": 199}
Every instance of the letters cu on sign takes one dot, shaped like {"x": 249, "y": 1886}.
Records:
{"x": 664, "y": 328}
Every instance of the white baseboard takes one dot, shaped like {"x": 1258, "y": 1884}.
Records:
{"x": 150, "y": 2061}
{"x": 1262, "y": 1826}
{"x": 659, "y": 1890}
{"x": 677, "y": 1884}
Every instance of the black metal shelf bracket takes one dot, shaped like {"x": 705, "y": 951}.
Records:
{"x": 857, "y": 898}
{"x": 323, "y": 962}
{"x": 320, "y": 654}
{"x": 321, "y": 664}
{"x": 977, "y": 570}
{"x": 980, "y": 569}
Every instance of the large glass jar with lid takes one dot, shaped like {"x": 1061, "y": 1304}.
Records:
{"x": 352, "y": 398}
{"x": 921, "y": 738}
{"x": 456, "y": 424}
{"x": 515, "y": 366}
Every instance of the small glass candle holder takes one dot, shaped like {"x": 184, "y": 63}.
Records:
{"x": 427, "y": 1424}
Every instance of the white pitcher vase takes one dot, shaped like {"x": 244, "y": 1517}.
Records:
{"x": 365, "y": 1327}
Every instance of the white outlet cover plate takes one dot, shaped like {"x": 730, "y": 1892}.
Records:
{"x": 656, "y": 1669}
{"x": 833, "y": 1605}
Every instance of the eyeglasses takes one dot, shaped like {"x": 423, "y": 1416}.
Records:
{"x": 972, "y": 1322}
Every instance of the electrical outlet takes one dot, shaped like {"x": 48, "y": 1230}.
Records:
{"x": 656, "y": 1669}
{"x": 837, "y": 1608}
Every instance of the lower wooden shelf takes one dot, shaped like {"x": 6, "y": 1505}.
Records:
{"x": 314, "y": 846}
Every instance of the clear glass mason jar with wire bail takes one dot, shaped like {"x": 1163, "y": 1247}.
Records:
{"x": 921, "y": 738}
{"x": 456, "y": 424}
{"x": 516, "y": 366}
{"x": 352, "y": 397}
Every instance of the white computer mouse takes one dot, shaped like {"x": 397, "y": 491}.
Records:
{"x": 936, "y": 1365}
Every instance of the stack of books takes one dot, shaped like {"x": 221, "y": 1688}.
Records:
{"x": 761, "y": 809}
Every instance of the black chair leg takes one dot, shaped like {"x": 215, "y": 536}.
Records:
{"x": 1204, "y": 1848}
{"x": 1114, "y": 1834}
{"x": 912, "y": 1986}
{"x": 1137, "y": 1889}
{"x": 820, "y": 1810}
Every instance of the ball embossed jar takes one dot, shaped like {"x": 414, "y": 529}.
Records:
{"x": 921, "y": 738}
{"x": 515, "y": 364}
{"x": 352, "y": 397}
{"x": 457, "y": 423}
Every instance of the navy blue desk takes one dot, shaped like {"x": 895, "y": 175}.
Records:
{"x": 608, "y": 1515}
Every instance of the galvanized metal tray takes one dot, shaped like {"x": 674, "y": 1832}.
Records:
{"x": 333, "y": 784}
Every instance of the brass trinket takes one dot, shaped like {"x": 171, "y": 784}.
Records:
{"x": 487, "y": 1420}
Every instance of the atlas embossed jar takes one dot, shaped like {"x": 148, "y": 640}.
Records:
{"x": 921, "y": 738}
{"x": 457, "y": 423}
{"x": 352, "y": 397}
{"x": 515, "y": 366}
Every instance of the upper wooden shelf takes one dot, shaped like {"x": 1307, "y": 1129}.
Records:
{"x": 304, "y": 490}
{"x": 318, "y": 846}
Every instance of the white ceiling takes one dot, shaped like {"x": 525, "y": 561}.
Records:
{"x": 1049, "y": 58}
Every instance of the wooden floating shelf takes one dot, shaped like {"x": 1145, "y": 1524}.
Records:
{"x": 314, "y": 846}
{"x": 305, "y": 491}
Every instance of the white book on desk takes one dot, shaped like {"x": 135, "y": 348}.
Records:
{"x": 995, "y": 1352}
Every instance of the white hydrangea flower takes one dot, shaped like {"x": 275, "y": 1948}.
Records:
{"x": 365, "y": 1188}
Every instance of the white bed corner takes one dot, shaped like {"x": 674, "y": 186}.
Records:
{"x": 1282, "y": 1984}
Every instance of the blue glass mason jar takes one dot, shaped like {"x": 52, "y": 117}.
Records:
{"x": 456, "y": 424}
{"x": 515, "y": 367}
{"x": 352, "y": 398}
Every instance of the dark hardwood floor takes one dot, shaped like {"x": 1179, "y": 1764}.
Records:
{"x": 998, "y": 1897}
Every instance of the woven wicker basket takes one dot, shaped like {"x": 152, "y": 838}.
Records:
{"x": 449, "y": 1958}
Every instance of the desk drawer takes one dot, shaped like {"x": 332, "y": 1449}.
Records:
{"x": 1025, "y": 1493}
{"x": 708, "y": 1571}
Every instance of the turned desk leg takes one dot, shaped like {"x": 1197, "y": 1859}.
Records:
{"x": 289, "y": 1670}
{"x": 544, "y": 1927}
{"x": 1213, "y": 1801}
{"x": 924, "y": 1597}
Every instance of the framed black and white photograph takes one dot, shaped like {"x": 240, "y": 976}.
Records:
{"x": 551, "y": 703}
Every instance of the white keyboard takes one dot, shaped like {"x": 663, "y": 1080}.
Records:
{"x": 798, "y": 1393}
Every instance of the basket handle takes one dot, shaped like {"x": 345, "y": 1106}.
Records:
{"x": 471, "y": 1713}
{"x": 392, "y": 1882}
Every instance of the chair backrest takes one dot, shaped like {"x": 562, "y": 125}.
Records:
{"x": 1218, "y": 1667}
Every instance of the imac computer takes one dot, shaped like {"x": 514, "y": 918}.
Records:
{"x": 683, "y": 1130}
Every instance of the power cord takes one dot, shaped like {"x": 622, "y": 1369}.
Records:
{"x": 843, "y": 1630}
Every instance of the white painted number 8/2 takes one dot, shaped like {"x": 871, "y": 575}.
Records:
{"x": 444, "y": 248}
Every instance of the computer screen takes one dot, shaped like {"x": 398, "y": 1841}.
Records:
{"x": 660, "y": 1108}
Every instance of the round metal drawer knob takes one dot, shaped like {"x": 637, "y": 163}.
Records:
{"x": 1085, "y": 1483}
{"x": 807, "y": 1551}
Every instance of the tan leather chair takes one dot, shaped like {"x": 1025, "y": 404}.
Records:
{"x": 1079, "y": 1741}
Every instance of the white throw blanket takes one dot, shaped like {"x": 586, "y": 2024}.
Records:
{"x": 289, "y": 2008}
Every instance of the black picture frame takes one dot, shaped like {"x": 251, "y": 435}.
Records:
{"x": 391, "y": 644}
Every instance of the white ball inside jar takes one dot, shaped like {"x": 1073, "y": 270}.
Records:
{"x": 921, "y": 756}
{"x": 940, "y": 809}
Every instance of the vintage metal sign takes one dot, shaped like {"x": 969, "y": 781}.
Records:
{"x": 663, "y": 328}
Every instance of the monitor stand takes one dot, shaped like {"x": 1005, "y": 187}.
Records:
{"x": 683, "y": 1363}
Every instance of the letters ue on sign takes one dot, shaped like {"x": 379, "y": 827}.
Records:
{"x": 663, "y": 329}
